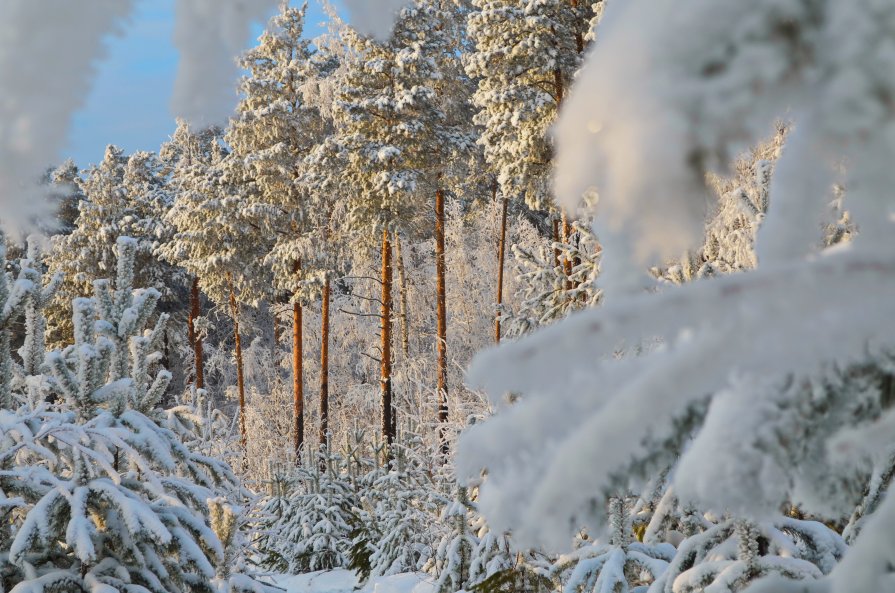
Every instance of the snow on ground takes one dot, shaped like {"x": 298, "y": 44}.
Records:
{"x": 345, "y": 581}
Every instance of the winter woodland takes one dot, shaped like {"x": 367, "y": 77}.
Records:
{"x": 497, "y": 296}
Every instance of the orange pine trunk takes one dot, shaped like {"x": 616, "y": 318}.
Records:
{"x": 441, "y": 308}
{"x": 501, "y": 253}
{"x": 240, "y": 378}
{"x": 324, "y": 366}
{"x": 567, "y": 238}
{"x": 385, "y": 332}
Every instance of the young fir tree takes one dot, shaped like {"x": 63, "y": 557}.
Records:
{"x": 313, "y": 526}
{"x": 452, "y": 561}
{"x": 30, "y": 375}
{"x": 620, "y": 563}
{"x": 730, "y": 555}
{"x": 400, "y": 504}
{"x": 126, "y": 497}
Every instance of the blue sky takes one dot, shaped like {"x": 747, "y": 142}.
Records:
{"x": 129, "y": 103}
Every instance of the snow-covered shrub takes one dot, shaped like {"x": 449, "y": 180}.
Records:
{"x": 315, "y": 521}
{"x": 618, "y": 564}
{"x": 546, "y": 293}
{"x": 452, "y": 562}
{"x": 498, "y": 567}
{"x": 103, "y": 497}
{"x": 730, "y": 555}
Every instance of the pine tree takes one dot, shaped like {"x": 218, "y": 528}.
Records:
{"x": 388, "y": 99}
{"x": 274, "y": 132}
{"x": 214, "y": 240}
{"x": 122, "y": 196}
{"x": 524, "y": 57}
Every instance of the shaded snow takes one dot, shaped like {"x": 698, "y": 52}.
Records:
{"x": 345, "y": 581}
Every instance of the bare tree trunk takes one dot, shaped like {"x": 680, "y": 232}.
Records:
{"x": 298, "y": 378}
{"x": 558, "y": 87}
{"x": 385, "y": 332}
{"x": 402, "y": 289}
{"x": 441, "y": 307}
{"x": 555, "y": 240}
{"x": 298, "y": 395}
{"x": 195, "y": 339}
{"x": 324, "y": 366}
{"x": 566, "y": 238}
{"x": 579, "y": 38}
{"x": 240, "y": 378}
{"x": 501, "y": 253}
{"x": 276, "y": 327}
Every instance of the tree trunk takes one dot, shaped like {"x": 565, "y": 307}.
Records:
{"x": 501, "y": 253}
{"x": 385, "y": 332}
{"x": 579, "y": 38}
{"x": 298, "y": 378}
{"x": 298, "y": 395}
{"x": 324, "y": 366}
{"x": 402, "y": 289}
{"x": 195, "y": 339}
{"x": 240, "y": 378}
{"x": 567, "y": 238}
{"x": 276, "y": 327}
{"x": 555, "y": 240}
{"x": 441, "y": 307}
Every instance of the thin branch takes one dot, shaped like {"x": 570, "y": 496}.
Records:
{"x": 357, "y": 314}
{"x": 379, "y": 360}
{"x": 366, "y": 298}
{"x": 361, "y": 278}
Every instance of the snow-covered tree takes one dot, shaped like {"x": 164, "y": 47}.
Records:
{"x": 743, "y": 347}
{"x": 214, "y": 240}
{"x": 452, "y": 562}
{"x": 314, "y": 526}
{"x": 393, "y": 137}
{"x": 730, "y": 555}
{"x": 617, "y": 563}
{"x": 278, "y": 125}
{"x": 125, "y": 496}
{"x": 544, "y": 295}
{"x": 525, "y": 56}
{"x": 523, "y": 60}
{"x": 122, "y": 196}
{"x": 400, "y": 502}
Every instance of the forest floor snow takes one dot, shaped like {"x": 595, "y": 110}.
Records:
{"x": 345, "y": 581}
